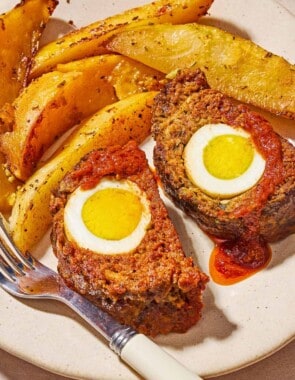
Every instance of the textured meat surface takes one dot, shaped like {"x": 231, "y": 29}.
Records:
{"x": 154, "y": 288}
{"x": 185, "y": 105}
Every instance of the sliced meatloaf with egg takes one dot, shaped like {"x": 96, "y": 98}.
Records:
{"x": 153, "y": 287}
{"x": 267, "y": 209}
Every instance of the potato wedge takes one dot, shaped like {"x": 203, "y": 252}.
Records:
{"x": 19, "y": 34}
{"x": 58, "y": 100}
{"x": 233, "y": 65}
{"x": 128, "y": 77}
{"x": 115, "y": 124}
{"x": 51, "y": 105}
{"x": 88, "y": 41}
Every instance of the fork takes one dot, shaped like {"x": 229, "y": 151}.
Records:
{"x": 25, "y": 277}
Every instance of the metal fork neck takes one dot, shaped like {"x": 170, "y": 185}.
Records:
{"x": 116, "y": 334}
{"x": 120, "y": 338}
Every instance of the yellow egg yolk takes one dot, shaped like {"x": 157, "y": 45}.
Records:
{"x": 112, "y": 213}
{"x": 228, "y": 156}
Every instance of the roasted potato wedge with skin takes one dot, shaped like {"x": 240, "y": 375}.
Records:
{"x": 233, "y": 65}
{"x": 115, "y": 124}
{"x": 58, "y": 100}
{"x": 20, "y": 30}
{"x": 88, "y": 41}
{"x": 51, "y": 105}
{"x": 128, "y": 76}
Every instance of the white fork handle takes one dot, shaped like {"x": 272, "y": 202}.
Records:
{"x": 153, "y": 363}
{"x": 137, "y": 350}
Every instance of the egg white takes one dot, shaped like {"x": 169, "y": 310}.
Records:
{"x": 198, "y": 173}
{"x": 77, "y": 231}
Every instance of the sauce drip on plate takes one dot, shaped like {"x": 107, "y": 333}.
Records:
{"x": 235, "y": 260}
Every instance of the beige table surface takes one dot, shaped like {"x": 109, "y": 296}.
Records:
{"x": 279, "y": 366}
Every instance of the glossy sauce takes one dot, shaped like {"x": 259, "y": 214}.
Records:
{"x": 232, "y": 261}
{"x": 269, "y": 145}
{"x": 113, "y": 160}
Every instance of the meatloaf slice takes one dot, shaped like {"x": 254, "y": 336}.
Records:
{"x": 153, "y": 288}
{"x": 181, "y": 108}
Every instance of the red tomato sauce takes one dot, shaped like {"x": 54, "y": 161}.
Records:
{"x": 113, "y": 160}
{"x": 234, "y": 261}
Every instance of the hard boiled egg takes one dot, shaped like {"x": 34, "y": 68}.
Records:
{"x": 222, "y": 160}
{"x": 111, "y": 218}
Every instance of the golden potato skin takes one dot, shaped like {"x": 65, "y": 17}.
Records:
{"x": 233, "y": 65}
{"x": 117, "y": 123}
{"x": 52, "y": 104}
{"x": 88, "y": 41}
{"x": 127, "y": 76}
{"x": 20, "y": 30}
{"x": 58, "y": 100}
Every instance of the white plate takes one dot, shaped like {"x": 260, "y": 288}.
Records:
{"x": 241, "y": 323}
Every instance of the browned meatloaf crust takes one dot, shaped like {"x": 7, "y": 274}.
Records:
{"x": 154, "y": 288}
{"x": 185, "y": 105}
